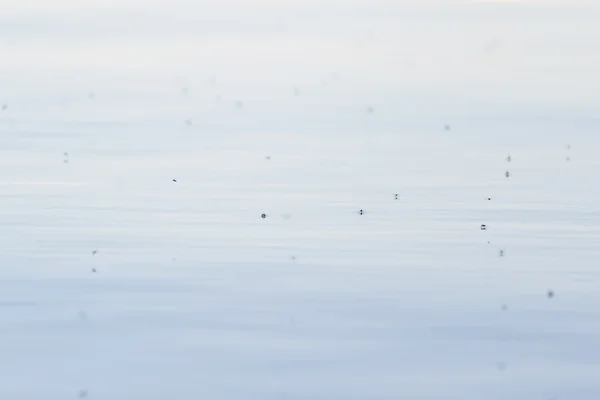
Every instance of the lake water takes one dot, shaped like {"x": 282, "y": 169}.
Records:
{"x": 135, "y": 262}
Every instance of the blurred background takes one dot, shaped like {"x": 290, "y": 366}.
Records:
{"x": 299, "y": 199}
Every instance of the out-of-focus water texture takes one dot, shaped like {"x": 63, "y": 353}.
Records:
{"x": 141, "y": 142}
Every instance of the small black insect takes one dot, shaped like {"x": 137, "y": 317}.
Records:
{"x": 94, "y": 252}
{"x": 501, "y": 253}
{"x": 361, "y": 212}
{"x": 483, "y": 227}
{"x": 507, "y": 174}
{"x": 509, "y": 158}
{"x": 174, "y": 180}
{"x": 550, "y": 294}
{"x": 396, "y": 196}
{"x": 263, "y": 216}
{"x": 489, "y": 198}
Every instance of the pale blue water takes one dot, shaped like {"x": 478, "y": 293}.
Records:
{"x": 194, "y": 295}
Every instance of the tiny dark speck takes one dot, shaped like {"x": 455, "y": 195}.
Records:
{"x": 263, "y": 216}
{"x": 483, "y": 227}
{"x": 361, "y": 212}
{"x": 447, "y": 127}
{"x": 4, "y": 107}
{"x": 550, "y": 294}
{"x": 82, "y": 394}
{"x": 489, "y": 198}
{"x": 94, "y": 270}
{"x": 504, "y": 307}
{"x": 94, "y": 251}
{"x": 507, "y": 174}
{"x": 174, "y": 180}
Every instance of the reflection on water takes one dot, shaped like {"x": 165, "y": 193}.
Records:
{"x": 200, "y": 212}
